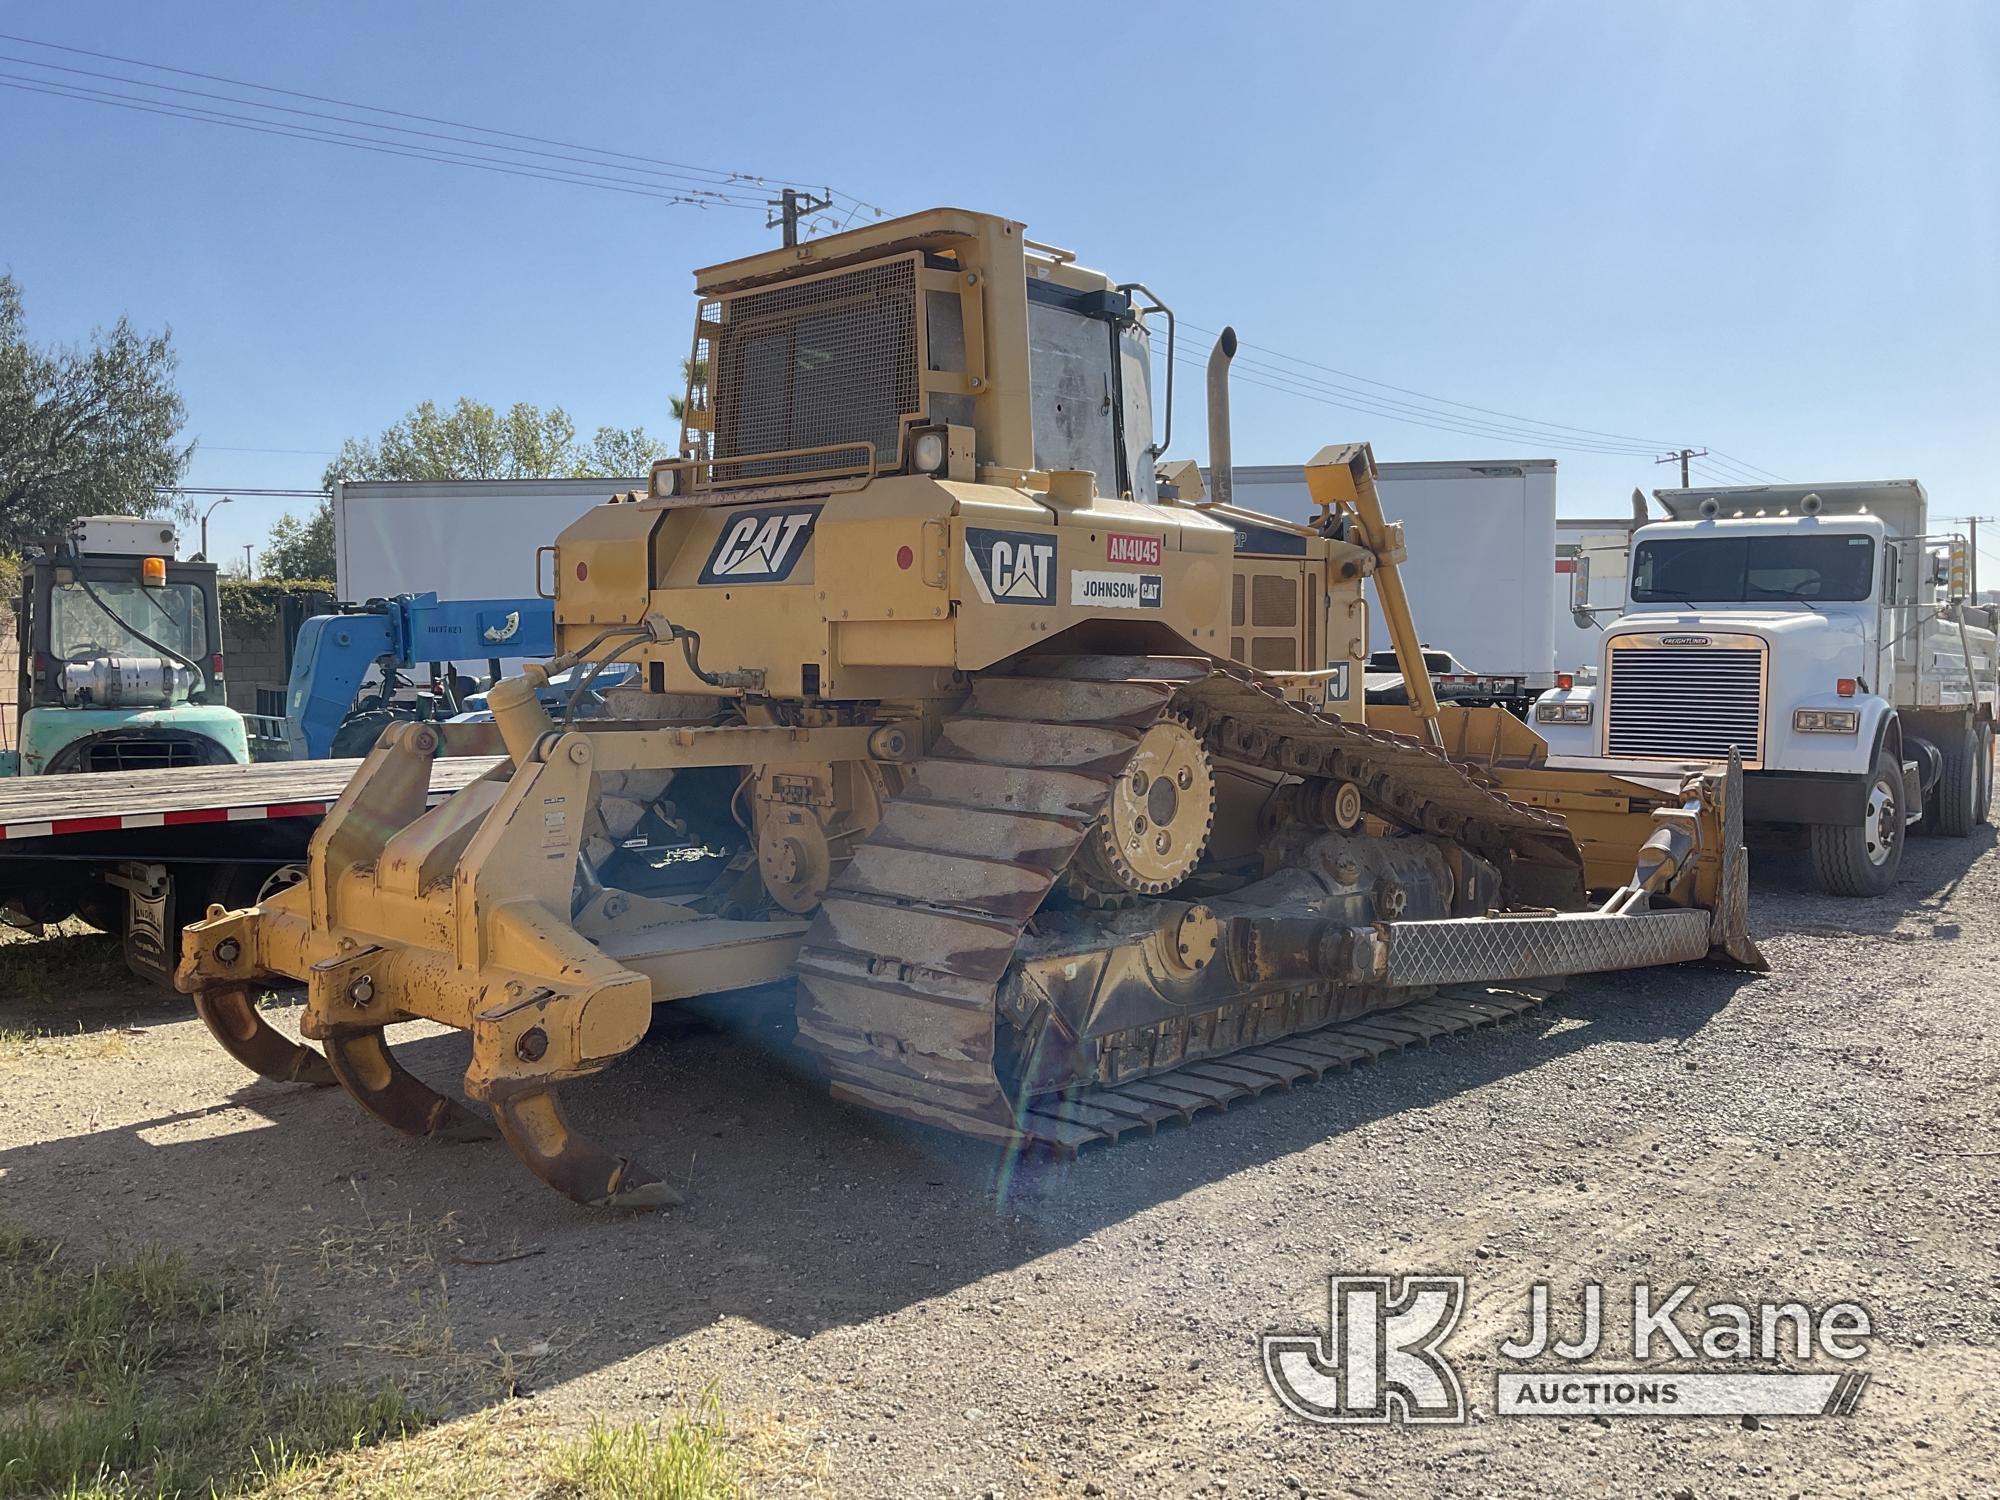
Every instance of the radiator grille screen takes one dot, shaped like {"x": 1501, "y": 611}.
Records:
{"x": 1274, "y": 600}
{"x": 832, "y": 360}
{"x": 1686, "y": 703}
{"x": 1275, "y": 653}
{"x": 141, "y": 755}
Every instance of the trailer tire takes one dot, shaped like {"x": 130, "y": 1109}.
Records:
{"x": 1982, "y": 755}
{"x": 1958, "y": 788}
{"x": 1861, "y": 859}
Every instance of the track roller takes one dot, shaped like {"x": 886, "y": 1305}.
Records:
{"x": 532, "y": 1123}
{"x": 361, "y": 1060}
{"x": 233, "y": 1020}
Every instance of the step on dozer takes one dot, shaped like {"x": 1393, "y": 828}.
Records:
{"x": 1042, "y": 771}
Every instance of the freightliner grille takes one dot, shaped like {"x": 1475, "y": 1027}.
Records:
{"x": 1686, "y": 702}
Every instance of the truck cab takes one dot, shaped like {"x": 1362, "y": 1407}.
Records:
{"x": 1822, "y": 635}
{"x": 121, "y": 663}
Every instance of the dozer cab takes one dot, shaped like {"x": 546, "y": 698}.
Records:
{"x": 1045, "y": 776}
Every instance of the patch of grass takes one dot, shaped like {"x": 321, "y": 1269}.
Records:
{"x": 509, "y": 1450}
{"x": 17, "y": 1042}
{"x": 386, "y": 1247}
{"x": 71, "y": 958}
{"x": 687, "y": 1459}
{"x": 134, "y": 1377}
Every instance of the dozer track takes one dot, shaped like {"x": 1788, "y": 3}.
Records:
{"x": 901, "y": 972}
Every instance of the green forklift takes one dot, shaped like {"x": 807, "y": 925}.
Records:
{"x": 121, "y": 656}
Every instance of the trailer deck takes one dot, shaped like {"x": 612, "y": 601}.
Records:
{"x": 39, "y": 807}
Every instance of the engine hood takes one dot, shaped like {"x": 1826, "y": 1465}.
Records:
{"x": 1772, "y": 624}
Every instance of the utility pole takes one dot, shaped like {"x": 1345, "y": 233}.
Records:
{"x": 791, "y": 206}
{"x": 1972, "y": 546}
{"x": 246, "y": 561}
{"x": 1683, "y": 455}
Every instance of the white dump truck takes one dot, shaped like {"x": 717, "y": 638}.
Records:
{"x": 1824, "y": 634}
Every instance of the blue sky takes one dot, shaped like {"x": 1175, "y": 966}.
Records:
{"x": 1772, "y": 229}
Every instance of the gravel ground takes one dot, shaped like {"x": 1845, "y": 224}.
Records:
{"x": 928, "y": 1320}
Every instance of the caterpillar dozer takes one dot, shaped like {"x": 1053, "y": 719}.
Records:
{"x": 1041, "y": 769}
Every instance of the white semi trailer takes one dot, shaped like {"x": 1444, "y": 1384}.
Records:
{"x": 1824, "y": 634}
{"x": 1483, "y": 538}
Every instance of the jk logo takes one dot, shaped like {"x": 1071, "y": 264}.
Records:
{"x": 760, "y": 546}
{"x": 1011, "y": 567}
{"x": 1379, "y": 1360}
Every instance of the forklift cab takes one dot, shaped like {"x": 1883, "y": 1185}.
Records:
{"x": 121, "y": 662}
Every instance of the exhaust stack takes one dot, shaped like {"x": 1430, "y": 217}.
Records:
{"x": 1221, "y": 476}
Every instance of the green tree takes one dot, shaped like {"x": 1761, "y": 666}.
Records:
{"x": 84, "y": 430}
{"x": 476, "y": 441}
{"x": 694, "y": 375}
{"x": 301, "y": 549}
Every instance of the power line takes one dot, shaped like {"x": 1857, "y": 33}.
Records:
{"x": 1648, "y": 444}
{"x": 303, "y": 452}
{"x": 1752, "y": 468}
{"x": 1511, "y": 427}
{"x": 1731, "y": 473}
{"x": 698, "y": 184}
{"x": 303, "y": 133}
{"x": 712, "y": 173}
{"x": 223, "y": 489}
{"x": 1463, "y": 428}
{"x": 704, "y": 186}
{"x": 1386, "y": 405}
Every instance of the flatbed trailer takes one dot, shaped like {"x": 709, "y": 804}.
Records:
{"x": 143, "y": 853}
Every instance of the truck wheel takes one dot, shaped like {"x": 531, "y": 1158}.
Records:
{"x": 1861, "y": 859}
{"x": 1958, "y": 787}
{"x": 1982, "y": 756}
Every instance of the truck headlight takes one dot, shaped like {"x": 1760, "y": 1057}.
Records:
{"x": 1826, "y": 721}
{"x": 1563, "y": 713}
{"x": 664, "y": 482}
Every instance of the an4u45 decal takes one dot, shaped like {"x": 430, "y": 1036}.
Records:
{"x": 760, "y": 546}
{"x": 1011, "y": 567}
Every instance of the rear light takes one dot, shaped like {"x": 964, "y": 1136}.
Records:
{"x": 1845, "y": 687}
{"x": 215, "y": 664}
{"x": 1565, "y": 680}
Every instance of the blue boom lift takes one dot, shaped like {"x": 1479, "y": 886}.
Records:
{"x": 323, "y": 715}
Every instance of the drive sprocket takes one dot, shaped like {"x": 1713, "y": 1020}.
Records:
{"x": 1155, "y": 829}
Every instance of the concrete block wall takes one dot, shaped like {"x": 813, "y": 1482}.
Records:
{"x": 252, "y": 659}
{"x": 10, "y": 675}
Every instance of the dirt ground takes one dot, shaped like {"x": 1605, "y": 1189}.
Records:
{"x": 927, "y": 1319}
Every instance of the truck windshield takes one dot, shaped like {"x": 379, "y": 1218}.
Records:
{"x": 1745, "y": 568}
{"x": 174, "y": 616}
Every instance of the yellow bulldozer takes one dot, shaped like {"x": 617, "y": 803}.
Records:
{"x": 1041, "y": 769}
